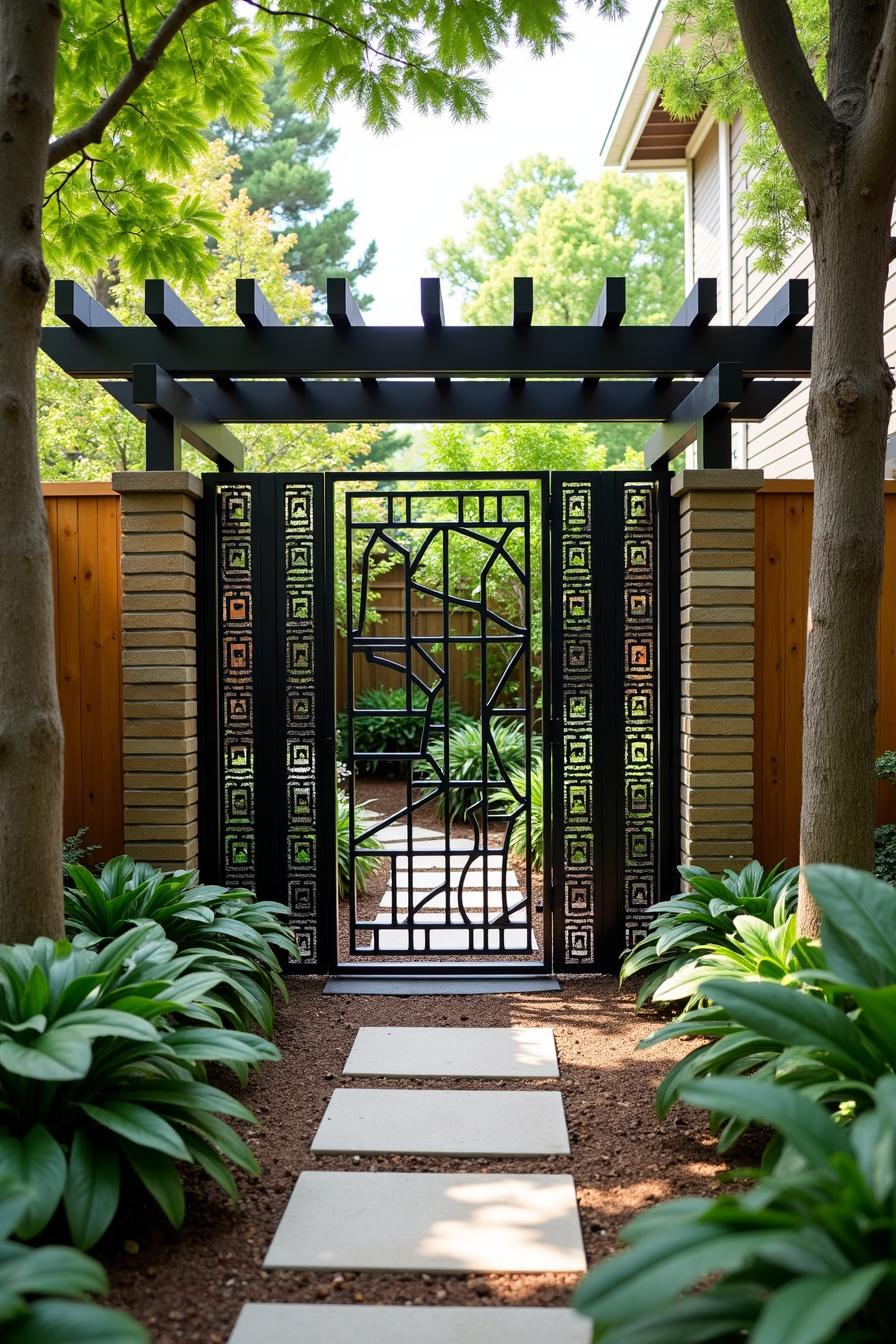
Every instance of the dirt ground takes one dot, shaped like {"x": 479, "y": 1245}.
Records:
{"x": 190, "y": 1286}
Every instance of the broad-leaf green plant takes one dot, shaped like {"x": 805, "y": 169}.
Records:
{"x": 367, "y": 860}
{"x": 98, "y": 1078}
{"x": 43, "y": 1289}
{"x": 465, "y": 757}
{"x": 827, "y": 1028}
{"x": 684, "y": 925}
{"x": 223, "y": 928}
{"x": 806, "y": 1255}
{"x": 528, "y": 785}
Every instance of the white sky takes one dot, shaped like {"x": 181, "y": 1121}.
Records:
{"x": 409, "y": 187}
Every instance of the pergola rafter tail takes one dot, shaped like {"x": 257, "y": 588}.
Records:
{"x": 261, "y": 371}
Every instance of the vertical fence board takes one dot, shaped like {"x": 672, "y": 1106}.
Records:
{"x": 783, "y": 547}
{"x": 83, "y": 521}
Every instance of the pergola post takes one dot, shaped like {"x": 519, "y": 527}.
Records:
{"x": 717, "y": 512}
{"x": 158, "y": 578}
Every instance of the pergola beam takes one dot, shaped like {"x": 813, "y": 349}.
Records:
{"x": 703, "y": 416}
{"x": 610, "y": 308}
{"x": 700, "y": 306}
{"x": 407, "y": 352}
{"x": 79, "y": 310}
{"x": 523, "y": 302}
{"x": 786, "y": 307}
{"x": 432, "y": 309}
{"x": 342, "y": 307}
{"x": 165, "y": 308}
{"x": 252, "y": 308}
{"x": 468, "y": 402}
{"x": 173, "y": 413}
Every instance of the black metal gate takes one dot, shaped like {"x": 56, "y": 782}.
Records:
{"x": 596, "y": 709}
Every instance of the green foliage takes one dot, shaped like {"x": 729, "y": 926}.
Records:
{"x": 885, "y": 766}
{"x": 222, "y": 928}
{"x": 465, "y": 761}
{"x": 805, "y": 1255}
{"x": 40, "y": 1289}
{"x": 825, "y": 1029}
{"x": 686, "y": 925}
{"x": 568, "y": 236}
{"x": 282, "y": 171}
{"x": 75, "y": 848}
{"x": 710, "y": 69}
{"x": 394, "y": 731}
{"x": 102, "y": 1072}
{"x": 366, "y": 862}
{"x": 885, "y": 853}
{"x": 521, "y": 786}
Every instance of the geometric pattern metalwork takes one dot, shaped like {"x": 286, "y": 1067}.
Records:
{"x": 237, "y": 701}
{"x": 461, "y": 892}
{"x": 640, "y": 699}
{"x": 300, "y": 596}
{"x": 577, "y": 823}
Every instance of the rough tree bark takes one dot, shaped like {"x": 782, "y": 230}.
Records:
{"x": 843, "y": 152}
{"x": 30, "y": 723}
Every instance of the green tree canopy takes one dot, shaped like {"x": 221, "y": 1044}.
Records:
{"x": 711, "y": 69}
{"x": 280, "y": 167}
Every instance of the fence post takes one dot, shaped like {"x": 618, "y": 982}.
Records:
{"x": 718, "y": 576}
{"x": 158, "y": 579}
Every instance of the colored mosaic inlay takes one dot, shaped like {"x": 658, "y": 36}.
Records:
{"x": 299, "y": 616}
{"x": 237, "y": 726}
{"x": 577, "y": 800}
{"x": 640, "y": 705}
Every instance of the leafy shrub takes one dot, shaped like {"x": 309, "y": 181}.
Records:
{"x": 465, "y": 762}
{"x": 534, "y": 786}
{"x": 390, "y": 730}
{"x": 885, "y": 853}
{"x": 40, "y": 1288}
{"x": 365, "y": 864}
{"x": 827, "y": 1029}
{"x": 75, "y": 849}
{"x": 224, "y": 929}
{"x": 805, "y": 1255}
{"x": 95, "y": 1077}
{"x": 685, "y": 925}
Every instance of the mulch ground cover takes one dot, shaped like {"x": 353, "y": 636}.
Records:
{"x": 190, "y": 1286}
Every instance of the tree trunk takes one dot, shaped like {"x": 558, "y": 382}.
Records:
{"x": 849, "y": 407}
{"x": 30, "y": 724}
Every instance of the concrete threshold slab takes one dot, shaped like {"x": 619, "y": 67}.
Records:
{"x": 437, "y": 1123}
{"x": 292, "y": 1323}
{"x": 453, "y": 1052}
{"x": 408, "y": 1222}
{"x": 408, "y": 986}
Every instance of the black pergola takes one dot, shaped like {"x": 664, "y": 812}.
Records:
{"x": 188, "y": 381}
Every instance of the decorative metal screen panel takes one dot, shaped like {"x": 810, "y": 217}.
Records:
{"x": 237, "y": 642}
{"x": 608, "y": 689}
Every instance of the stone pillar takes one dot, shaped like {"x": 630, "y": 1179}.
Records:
{"x": 158, "y": 578}
{"x": 718, "y": 574}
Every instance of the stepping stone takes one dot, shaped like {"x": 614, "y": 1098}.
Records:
{"x": 399, "y": 833}
{"x": 475, "y": 876}
{"x": 437, "y": 1222}
{"x": 453, "y": 1052}
{"x": 456, "y": 940}
{"x": 435, "y": 859}
{"x": 276, "y": 1323}
{"x": 474, "y": 898}
{"x": 437, "y": 1123}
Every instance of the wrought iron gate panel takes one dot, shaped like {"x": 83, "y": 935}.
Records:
{"x": 268, "y": 795}
{"x": 436, "y": 889}
{"x": 613, "y": 710}
{"x": 608, "y": 718}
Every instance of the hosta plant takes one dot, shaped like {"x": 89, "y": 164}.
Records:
{"x": 42, "y": 1289}
{"x": 98, "y": 1077}
{"x": 683, "y": 926}
{"x": 805, "y": 1256}
{"x": 386, "y": 726}
{"x": 224, "y": 928}
{"x": 827, "y": 1029}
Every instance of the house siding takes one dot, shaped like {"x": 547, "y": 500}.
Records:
{"x": 781, "y": 444}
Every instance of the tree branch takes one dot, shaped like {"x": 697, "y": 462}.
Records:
{"x": 91, "y": 131}
{"x": 805, "y": 124}
{"x": 855, "y": 31}
{"x": 874, "y": 141}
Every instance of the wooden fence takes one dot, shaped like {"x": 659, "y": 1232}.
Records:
{"x": 783, "y": 545}
{"x": 84, "y": 541}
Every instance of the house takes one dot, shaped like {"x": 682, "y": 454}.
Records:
{"x": 709, "y": 153}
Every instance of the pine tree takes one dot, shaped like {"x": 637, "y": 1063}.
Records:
{"x": 282, "y": 172}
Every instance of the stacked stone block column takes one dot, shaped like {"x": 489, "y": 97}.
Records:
{"x": 158, "y": 576}
{"x": 718, "y": 574}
